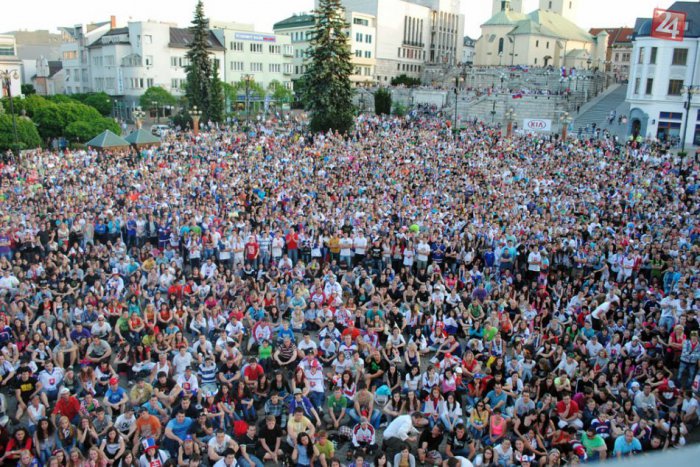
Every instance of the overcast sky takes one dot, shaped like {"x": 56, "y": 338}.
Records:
{"x": 49, "y": 14}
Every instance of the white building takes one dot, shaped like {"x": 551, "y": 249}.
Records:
{"x": 412, "y": 33}
{"x": 665, "y": 81}
{"x": 362, "y": 35}
{"x": 266, "y": 57}
{"x": 468, "y": 50}
{"x": 74, "y": 53}
{"x": 10, "y": 62}
{"x": 545, "y": 37}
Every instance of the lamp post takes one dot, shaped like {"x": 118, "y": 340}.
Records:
{"x": 460, "y": 78}
{"x": 196, "y": 114}
{"x": 155, "y": 104}
{"x": 138, "y": 117}
{"x": 247, "y": 79}
{"x": 510, "y": 117}
{"x": 7, "y": 76}
{"x": 565, "y": 120}
{"x": 689, "y": 91}
{"x": 589, "y": 61}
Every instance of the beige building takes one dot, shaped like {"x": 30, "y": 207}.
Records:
{"x": 545, "y": 37}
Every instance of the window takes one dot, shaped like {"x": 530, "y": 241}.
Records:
{"x": 537, "y": 43}
{"x": 358, "y": 37}
{"x": 84, "y": 74}
{"x": 256, "y": 67}
{"x": 256, "y": 48}
{"x": 149, "y": 82}
{"x": 360, "y": 21}
{"x": 69, "y": 55}
{"x": 670, "y": 116}
{"x": 500, "y": 45}
{"x": 109, "y": 60}
{"x": 275, "y": 68}
{"x": 8, "y": 51}
{"x": 680, "y": 57}
{"x": 97, "y": 61}
{"x": 652, "y": 56}
{"x": 275, "y": 49}
{"x": 535, "y": 60}
{"x": 236, "y": 46}
{"x": 173, "y": 61}
{"x": 674, "y": 87}
{"x": 368, "y": 54}
{"x": 236, "y": 66}
{"x": 550, "y": 5}
{"x": 173, "y": 83}
{"x": 641, "y": 55}
{"x": 637, "y": 82}
{"x": 650, "y": 85}
{"x": 368, "y": 38}
{"x": 547, "y": 45}
{"x": 287, "y": 68}
{"x": 149, "y": 60}
{"x": 148, "y": 39}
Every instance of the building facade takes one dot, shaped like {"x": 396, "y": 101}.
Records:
{"x": 664, "y": 84}
{"x": 619, "y": 53}
{"x": 545, "y": 37}
{"x": 362, "y": 34}
{"x": 468, "y": 50}
{"x": 10, "y": 62}
{"x": 411, "y": 34}
{"x": 266, "y": 57}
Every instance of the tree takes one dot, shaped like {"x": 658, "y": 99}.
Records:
{"x": 158, "y": 95}
{"x": 328, "y": 91}
{"x": 199, "y": 70}
{"x": 53, "y": 119}
{"x": 28, "y": 89}
{"x": 382, "y": 102}
{"x": 279, "y": 92}
{"x": 216, "y": 99}
{"x": 100, "y": 101}
{"x": 82, "y": 130}
{"x": 405, "y": 80}
{"x": 27, "y": 135}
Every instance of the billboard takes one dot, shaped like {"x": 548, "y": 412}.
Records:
{"x": 668, "y": 25}
{"x": 249, "y": 36}
{"x": 537, "y": 124}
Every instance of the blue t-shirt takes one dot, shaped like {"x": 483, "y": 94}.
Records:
{"x": 115, "y": 395}
{"x": 494, "y": 398}
{"x": 624, "y": 448}
{"x": 180, "y": 429}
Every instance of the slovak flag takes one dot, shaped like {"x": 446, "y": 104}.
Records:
{"x": 563, "y": 72}
{"x": 518, "y": 95}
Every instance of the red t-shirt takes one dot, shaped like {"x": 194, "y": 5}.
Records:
{"x": 562, "y": 408}
{"x": 253, "y": 373}
{"x": 69, "y": 407}
{"x": 292, "y": 240}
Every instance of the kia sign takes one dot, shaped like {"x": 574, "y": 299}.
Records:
{"x": 537, "y": 124}
{"x": 668, "y": 25}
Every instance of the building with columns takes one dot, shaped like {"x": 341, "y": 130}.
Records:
{"x": 545, "y": 37}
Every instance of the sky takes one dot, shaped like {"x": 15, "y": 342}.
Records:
{"x": 49, "y": 14}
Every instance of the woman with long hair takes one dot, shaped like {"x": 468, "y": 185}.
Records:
{"x": 305, "y": 452}
{"x": 44, "y": 440}
{"x": 113, "y": 446}
{"x": 66, "y": 434}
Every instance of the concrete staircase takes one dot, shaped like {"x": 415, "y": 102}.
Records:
{"x": 598, "y": 111}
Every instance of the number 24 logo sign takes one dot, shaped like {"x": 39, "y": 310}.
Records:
{"x": 667, "y": 24}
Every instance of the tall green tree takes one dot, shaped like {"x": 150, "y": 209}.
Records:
{"x": 382, "y": 102}
{"x": 328, "y": 91}
{"x": 199, "y": 70}
{"x": 216, "y": 101}
{"x": 278, "y": 92}
{"x": 158, "y": 95}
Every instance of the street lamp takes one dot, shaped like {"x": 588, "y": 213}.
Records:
{"x": 510, "y": 117}
{"x": 460, "y": 78}
{"x": 138, "y": 117}
{"x": 7, "y": 76}
{"x": 589, "y": 61}
{"x": 689, "y": 91}
{"x": 196, "y": 114}
{"x": 565, "y": 120}
{"x": 155, "y": 104}
{"x": 247, "y": 79}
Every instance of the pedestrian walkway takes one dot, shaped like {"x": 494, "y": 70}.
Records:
{"x": 599, "y": 113}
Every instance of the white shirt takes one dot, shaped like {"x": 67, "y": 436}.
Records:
{"x": 534, "y": 259}
{"x": 401, "y": 427}
{"x": 51, "y": 381}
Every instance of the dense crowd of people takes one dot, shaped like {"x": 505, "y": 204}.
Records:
{"x": 401, "y": 296}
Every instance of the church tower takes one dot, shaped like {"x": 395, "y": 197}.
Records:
{"x": 566, "y": 8}
{"x": 501, "y": 5}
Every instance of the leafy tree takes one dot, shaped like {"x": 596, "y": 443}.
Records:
{"x": 27, "y": 105}
{"x": 405, "y": 80}
{"x": 199, "y": 71}
{"x": 27, "y": 135}
{"x": 100, "y": 101}
{"x": 382, "y": 102}
{"x": 216, "y": 103}
{"x": 28, "y": 89}
{"x": 328, "y": 91}
{"x": 84, "y": 130}
{"x": 156, "y": 94}
{"x": 53, "y": 119}
{"x": 279, "y": 92}
{"x": 399, "y": 109}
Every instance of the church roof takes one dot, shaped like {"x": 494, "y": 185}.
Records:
{"x": 505, "y": 18}
{"x": 559, "y": 26}
{"x": 530, "y": 27}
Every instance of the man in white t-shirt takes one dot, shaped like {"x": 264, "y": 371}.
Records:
{"x": 534, "y": 262}
{"x": 346, "y": 244}
{"x": 50, "y": 379}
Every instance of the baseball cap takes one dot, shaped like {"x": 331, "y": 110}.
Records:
{"x": 297, "y": 391}
{"x": 113, "y": 380}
